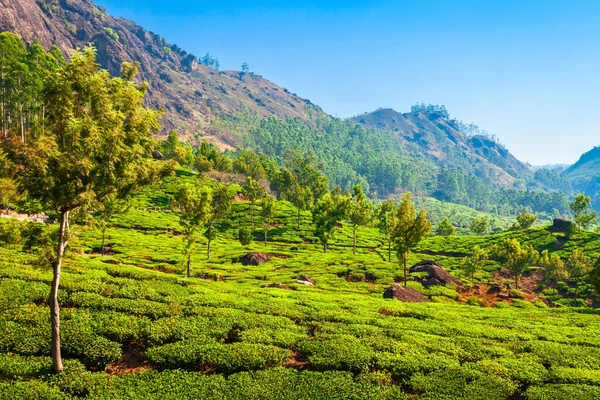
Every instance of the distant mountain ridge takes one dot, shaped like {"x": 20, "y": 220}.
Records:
{"x": 439, "y": 138}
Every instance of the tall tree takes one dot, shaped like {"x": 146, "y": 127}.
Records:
{"x": 267, "y": 213}
{"x": 95, "y": 143}
{"x": 220, "y": 204}
{"x": 385, "y": 214}
{"x": 515, "y": 258}
{"x": 584, "y": 215}
{"x": 553, "y": 267}
{"x": 108, "y": 208}
{"x": 578, "y": 267}
{"x": 475, "y": 262}
{"x": 360, "y": 212}
{"x": 193, "y": 203}
{"x": 409, "y": 228}
{"x": 254, "y": 191}
{"x": 329, "y": 211}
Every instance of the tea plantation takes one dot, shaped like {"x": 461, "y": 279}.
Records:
{"x": 134, "y": 327}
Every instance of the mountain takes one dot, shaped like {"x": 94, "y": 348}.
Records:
{"x": 192, "y": 94}
{"x": 584, "y": 175}
{"x": 434, "y": 135}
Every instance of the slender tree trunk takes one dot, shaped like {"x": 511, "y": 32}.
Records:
{"x": 325, "y": 247}
{"x": 103, "y": 240}
{"x": 404, "y": 263}
{"x": 189, "y": 263}
{"x": 63, "y": 240}
{"x": 298, "y": 219}
{"x": 354, "y": 240}
{"x": 210, "y": 227}
{"x": 389, "y": 251}
{"x": 266, "y": 233}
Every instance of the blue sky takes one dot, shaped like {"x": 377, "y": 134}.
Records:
{"x": 526, "y": 71}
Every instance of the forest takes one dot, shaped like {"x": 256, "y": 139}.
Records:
{"x": 132, "y": 267}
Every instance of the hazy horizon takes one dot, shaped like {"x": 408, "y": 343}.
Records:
{"x": 525, "y": 72}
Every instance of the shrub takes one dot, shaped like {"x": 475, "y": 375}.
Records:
{"x": 338, "y": 352}
{"x": 244, "y": 236}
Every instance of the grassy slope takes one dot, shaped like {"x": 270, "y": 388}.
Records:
{"x": 337, "y": 339}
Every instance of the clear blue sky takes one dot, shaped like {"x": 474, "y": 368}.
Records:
{"x": 527, "y": 71}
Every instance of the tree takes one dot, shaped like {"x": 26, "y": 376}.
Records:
{"x": 584, "y": 215}
{"x": 445, "y": 228}
{"x": 253, "y": 190}
{"x": 479, "y": 226}
{"x": 595, "y": 275}
{"x": 245, "y": 67}
{"x": 95, "y": 143}
{"x": 360, "y": 212}
{"x": 384, "y": 214}
{"x": 578, "y": 267}
{"x": 327, "y": 214}
{"x": 525, "y": 219}
{"x": 301, "y": 197}
{"x": 108, "y": 208}
{"x": 194, "y": 205}
{"x": 475, "y": 262}
{"x": 267, "y": 213}
{"x": 408, "y": 229}
{"x": 220, "y": 204}
{"x": 553, "y": 267}
{"x": 515, "y": 258}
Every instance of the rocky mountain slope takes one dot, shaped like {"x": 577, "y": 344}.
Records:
{"x": 440, "y": 139}
{"x": 585, "y": 175}
{"x": 191, "y": 93}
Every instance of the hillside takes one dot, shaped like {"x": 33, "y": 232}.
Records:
{"x": 438, "y": 138}
{"x": 135, "y": 327}
{"x": 585, "y": 175}
{"x": 191, "y": 94}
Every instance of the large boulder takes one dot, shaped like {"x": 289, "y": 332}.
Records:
{"x": 435, "y": 271}
{"x": 561, "y": 225}
{"x": 278, "y": 285}
{"x": 399, "y": 292}
{"x": 254, "y": 259}
{"x": 306, "y": 280}
{"x": 157, "y": 155}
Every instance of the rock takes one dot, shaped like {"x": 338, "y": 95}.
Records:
{"x": 157, "y": 155}
{"x": 306, "y": 280}
{"x": 254, "y": 259}
{"x": 431, "y": 282}
{"x": 508, "y": 286}
{"x": 278, "y": 285}
{"x": 294, "y": 248}
{"x": 435, "y": 271}
{"x": 561, "y": 225}
{"x": 399, "y": 292}
{"x": 495, "y": 289}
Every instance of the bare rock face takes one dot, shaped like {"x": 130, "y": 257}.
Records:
{"x": 435, "y": 271}
{"x": 306, "y": 280}
{"x": 157, "y": 155}
{"x": 561, "y": 225}
{"x": 399, "y": 292}
{"x": 254, "y": 259}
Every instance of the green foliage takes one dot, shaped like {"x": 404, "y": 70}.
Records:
{"x": 110, "y": 32}
{"x": 245, "y": 236}
{"x": 580, "y": 206}
{"x": 479, "y": 226}
{"x": 408, "y": 229}
{"x": 445, "y": 228}
{"x": 475, "y": 262}
{"x": 525, "y": 219}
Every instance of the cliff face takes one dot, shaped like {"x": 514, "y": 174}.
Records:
{"x": 191, "y": 94}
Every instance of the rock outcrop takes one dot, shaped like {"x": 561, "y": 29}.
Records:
{"x": 399, "y": 292}
{"x": 435, "y": 273}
